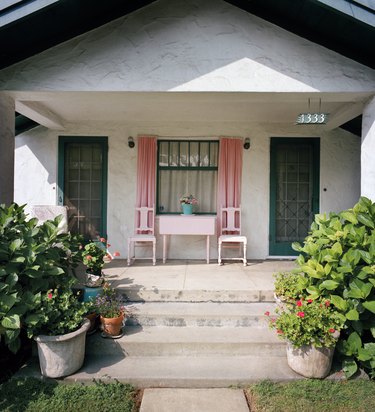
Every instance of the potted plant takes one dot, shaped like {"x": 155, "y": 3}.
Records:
{"x": 109, "y": 306}
{"x": 59, "y": 328}
{"x": 187, "y": 202}
{"x": 287, "y": 287}
{"x": 311, "y": 329}
{"x": 94, "y": 255}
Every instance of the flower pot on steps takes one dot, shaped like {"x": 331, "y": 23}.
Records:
{"x": 310, "y": 361}
{"x": 62, "y": 355}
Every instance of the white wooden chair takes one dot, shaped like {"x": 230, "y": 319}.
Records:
{"x": 144, "y": 233}
{"x": 231, "y": 234}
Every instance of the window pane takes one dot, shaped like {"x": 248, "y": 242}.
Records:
{"x": 173, "y": 154}
{"x": 184, "y": 154}
{"x": 163, "y": 154}
{"x": 214, "y": 153}
{"x": 194, "y": 154}
{"x": 204, "y": 159}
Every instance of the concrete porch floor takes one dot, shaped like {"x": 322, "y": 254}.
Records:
{"x": 195, "y": 280}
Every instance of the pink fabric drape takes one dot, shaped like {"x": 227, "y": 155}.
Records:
{"x": 229, "y": 175}
{"x": 146, "y": 171}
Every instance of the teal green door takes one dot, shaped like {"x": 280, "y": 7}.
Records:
{"x": 83, "y": 184}
{"x": 294, "y": 195}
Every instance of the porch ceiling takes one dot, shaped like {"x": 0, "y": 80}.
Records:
{"x": 58, "y": 109}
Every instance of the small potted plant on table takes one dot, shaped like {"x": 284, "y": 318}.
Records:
{"x": 187, "y": 202}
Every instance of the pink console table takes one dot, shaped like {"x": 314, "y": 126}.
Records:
{"x": 187, "y": 225}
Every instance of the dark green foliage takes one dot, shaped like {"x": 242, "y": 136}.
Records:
{"x": 33, "y": 260}
{"x": 338, "y": 263}
{"x": 31, "y": 395}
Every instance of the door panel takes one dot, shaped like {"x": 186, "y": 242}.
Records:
{"x": 83, "y": 184}
{"x": 294, "y": 196}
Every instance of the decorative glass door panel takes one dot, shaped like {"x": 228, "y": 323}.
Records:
{"x": 83, "y": 166}
{"x": 294, "y": 191}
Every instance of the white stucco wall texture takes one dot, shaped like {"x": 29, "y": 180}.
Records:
{"x": 188, "y": 46}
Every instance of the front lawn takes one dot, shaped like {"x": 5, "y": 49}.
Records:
{"x": 33, "y": 395}
{"x": 312, "y": 396}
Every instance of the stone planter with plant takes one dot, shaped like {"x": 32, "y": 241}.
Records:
{"x": 311, "y": 329}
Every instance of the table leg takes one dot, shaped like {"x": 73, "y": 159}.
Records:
{"x": 208, "y": 249}
{"x": 164, "y": 248}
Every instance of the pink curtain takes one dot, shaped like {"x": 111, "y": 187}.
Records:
{"x": 146, "y": 171}
{"x": 229, "y": 175}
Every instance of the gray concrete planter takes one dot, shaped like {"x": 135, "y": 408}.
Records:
{"x": 309, "y": 361}
{"x": 62, "y": 355}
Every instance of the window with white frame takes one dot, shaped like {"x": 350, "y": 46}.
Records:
{"x": 187, "y": 167}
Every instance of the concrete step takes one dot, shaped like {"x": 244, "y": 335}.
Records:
{"x": 189, "y": 341}
{"x": 177, "y": 371}
{"x": 200, "y": 314}
{"x": 142, "y": 294}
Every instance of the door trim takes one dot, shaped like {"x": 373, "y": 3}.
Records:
{"x": 274, "y": 249}
{"x": 103, "y": 141}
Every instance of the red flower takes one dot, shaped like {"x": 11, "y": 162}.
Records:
{"x": 49, "y": 296}
{"x": 88, "y": 257}
{"x": 102, "y": 239}
{"x": 299, "y": 303}
{"x": 267, "y": 313}
{"x": 279, "y": 331}
{"x": 116, "y": 254}
{"x": 301, "y": 314}
{"x": 327, "y": 303}
{"x": 309, "y": 301}
{"x": 108, "y": 245}
{"x": 332, "y": 330}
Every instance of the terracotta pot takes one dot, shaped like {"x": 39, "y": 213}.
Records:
{"x": 92, "y": 317}
{"x": 309, "y": 361}
{"x": 112, "y": 326}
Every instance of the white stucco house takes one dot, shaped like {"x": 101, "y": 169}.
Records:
{"x": 189, "y": 73}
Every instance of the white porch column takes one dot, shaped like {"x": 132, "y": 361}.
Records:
{"x": 368, "y": 151}
{"x": 7, "y": 135}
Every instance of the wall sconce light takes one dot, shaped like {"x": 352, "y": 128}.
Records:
{"x": 131, "y": 142}
{"x": 246, "y": 145}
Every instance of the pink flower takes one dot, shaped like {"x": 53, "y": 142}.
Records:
{"x": 273, "y": 320}
{"x": 108, "y": 245}
{"x": 267, "y": 313}
{"x": 301, "y": 314}
{"x": 49, "y": 296}
{"x": 327, "y": 303}
{"x": 102, "y": 239}
{"x": 309, "y": 301}
{"x": 116, "y": 254}
{"x": 89, "y": 257}
{"x": 107, "y": 256}
{"x": 332, "y": 330}
{"x": 299, "y": 303}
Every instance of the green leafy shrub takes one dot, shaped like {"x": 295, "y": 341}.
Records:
{"x": 33, "y": 260}
{"x": 338, "y": 263}
{"x": 288, "y": 286}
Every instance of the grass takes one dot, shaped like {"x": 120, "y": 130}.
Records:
{"x": 33, "y": 395}
{"x": 312, "y": 395}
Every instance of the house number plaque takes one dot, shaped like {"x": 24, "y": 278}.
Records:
{"x": 312, "y": 118}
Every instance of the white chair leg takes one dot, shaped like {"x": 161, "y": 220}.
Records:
{"x": 154, "y": 253}
{"x": 129, "y": 252}
{"x": 219, "y": 254}
{"x": 244, "y": 254}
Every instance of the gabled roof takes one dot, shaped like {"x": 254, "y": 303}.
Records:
{"x": 28, "y": 27}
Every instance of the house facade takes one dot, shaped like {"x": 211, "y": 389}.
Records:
{"x": 189, "y": 74}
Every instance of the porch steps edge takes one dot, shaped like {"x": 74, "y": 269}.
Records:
{"x": 169, "y": 295}
{"x": 213, "y": 314}
{"x": 192, "y": 341}
{"x": 177, "y": 371}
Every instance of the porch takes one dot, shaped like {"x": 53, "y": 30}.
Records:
{"x": 195, "y": 281}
